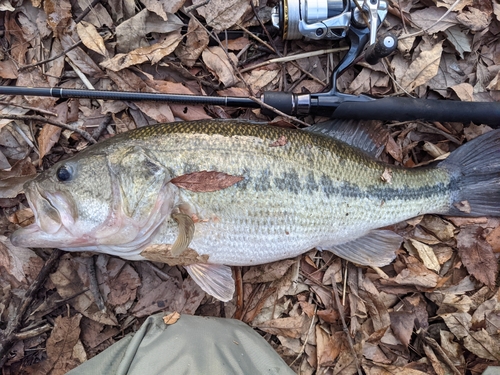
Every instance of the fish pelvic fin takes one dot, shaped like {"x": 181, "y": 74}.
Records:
{"x": 215, "y": 279}
{"x": 475, "y": 176}
{"x": 186, "y": 233}
{"x": 376, "y": 248}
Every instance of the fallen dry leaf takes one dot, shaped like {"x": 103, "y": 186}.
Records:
{"x": 222, "y": 14}
{"x": 425, "y": 253}
{"x": 8, "y": 70}
{"x": 62, "y": 342}
{"x": 268, "y": 272}
{"x": 58, "y": 15}
{"x": 474, "y": 19}
{"x": 153, "y": 54}
{"x": 91, "y": 38}
{"x": 387, "y": 176}
{"x": 483, "y": 345}
{"x": 292, "y": 327}
{"x": 171, "y": 318}
{"x": 20, "y": 262}
{"x": 329, "y": 346}
{"x": 423, "y": 67}
{"x": 70, "y": 285}
{"x": 477, "y": 255}
{"x": 427, "y": 19}
{"x": 205, "y": 181}
{"x": 281, "y": 141}
{"x": 196, "y": 41}
{"x": 217, "y": 62}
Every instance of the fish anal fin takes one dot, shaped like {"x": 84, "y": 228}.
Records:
{"x": 215, "y": 279}
{"x": 186, "y": 233}
{"x": 376, "y": 248}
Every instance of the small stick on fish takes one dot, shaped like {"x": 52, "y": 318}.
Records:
{"x": 239, "y": 293}
{"x": 83, "y": 133}
{"x": 8, "y": 336}
{"x": 340, "y": 308}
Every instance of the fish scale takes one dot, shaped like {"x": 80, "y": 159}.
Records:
{"x": 339, "y": 204}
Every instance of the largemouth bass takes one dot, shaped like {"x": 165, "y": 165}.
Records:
{"x": 143, "y": 195}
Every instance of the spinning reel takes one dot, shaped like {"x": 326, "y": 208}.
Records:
{"x": 334, "y": 20}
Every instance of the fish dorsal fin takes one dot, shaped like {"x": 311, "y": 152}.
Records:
{"x": 376, "y": 248}
{"x": 186, "y": 233}
{"x": 215, "y": 279}
{"x": 367, "y": 136}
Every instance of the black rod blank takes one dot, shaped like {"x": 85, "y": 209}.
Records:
{"x": 57, "y": 92}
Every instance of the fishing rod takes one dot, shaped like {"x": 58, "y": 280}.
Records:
{"x": 338, "y": 105}
{"x": 328, "y": 19}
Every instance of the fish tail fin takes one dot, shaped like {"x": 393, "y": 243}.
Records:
{"x": 475, "y": 172}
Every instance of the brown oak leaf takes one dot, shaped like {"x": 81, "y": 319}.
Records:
{"x": 477, "y": 255}
{"x": 205, "y": 181}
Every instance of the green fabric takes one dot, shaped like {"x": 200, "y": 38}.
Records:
{"x": 193, "y": 345}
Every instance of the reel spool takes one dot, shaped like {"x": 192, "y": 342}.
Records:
{"x": 323, "y": 19}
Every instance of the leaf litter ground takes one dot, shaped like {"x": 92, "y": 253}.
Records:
{"x": 436, "y": 309}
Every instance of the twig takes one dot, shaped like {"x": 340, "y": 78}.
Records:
{"x": 32, "y": 332}
{"x": 252, "y": 35}
{"x": 43, "y": 111}
{"x": 83, "y": 133}
{"x": 291, "y": 118}
{"x": 379, "y": 272}
{"x": 94, "y": 285}
{"x": 423, "y": 31}
{"x": 363, "y": 14}
{"x": 8, "y": 336}
{"x": 303, "y": 348}
{"x": 439, "y": 131}
{"x": 298, "y": 56}
{"x": 340, "y": 308}
{"x": 83, "y": 77}
{"x": 195, "y": 6}
{"x": 434, "y": 345}
{"x": 293, "y": 63}
{"x": 77, "y": 20}
{"x": 103, "y": 125}
{"x": 87, "y": 11}
{"x": 22, "y": 68}
{"x": 25, "y": 137}
{"x": 238, "y": 314}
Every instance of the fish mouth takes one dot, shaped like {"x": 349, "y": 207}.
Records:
{"x": 50, "y": 228}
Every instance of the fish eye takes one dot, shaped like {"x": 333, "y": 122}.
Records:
{"x": 64, "y": 173}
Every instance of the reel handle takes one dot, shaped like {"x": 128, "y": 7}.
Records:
{"x": 384, "y": 46}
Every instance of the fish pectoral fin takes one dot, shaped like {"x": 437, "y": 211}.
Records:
{"x": 376, "y": 248}
{"x": 215, "y": 279}
{"x": 186, "y": 233}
